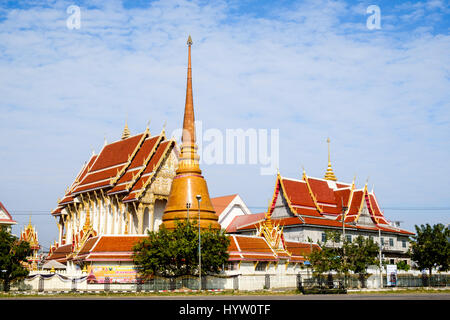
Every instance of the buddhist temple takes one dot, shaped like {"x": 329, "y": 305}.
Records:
{"x": 132, "y": 186}
{"x": 5, "y": 218}
{"x": 29, "y": 234}
{"x": 306, "y": 207}
{"x": 120, "y": 192}
{"x": 189, "y": 196}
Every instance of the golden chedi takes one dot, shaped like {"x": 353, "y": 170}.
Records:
{"x": 189, "y": 185}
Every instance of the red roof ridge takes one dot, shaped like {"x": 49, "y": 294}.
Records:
{"x": 10, "y": 220}
{"x": 292, "y": 179}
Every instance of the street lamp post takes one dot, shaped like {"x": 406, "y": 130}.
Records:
{"x": 381, "y": 264}
{"x": 344, "y": 210}
{"x": 199, "y": 198}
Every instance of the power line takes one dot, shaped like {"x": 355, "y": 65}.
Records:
{"x": 47, "y": 212}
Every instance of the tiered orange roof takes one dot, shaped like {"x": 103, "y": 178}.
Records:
{"x": 256, "y": 248}
{"x": 315, "y": 201}
{"x": 100, "y": 248}
{"x": 122, "y": 167}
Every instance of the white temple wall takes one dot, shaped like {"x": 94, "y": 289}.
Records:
{"x": 158, "y": 213}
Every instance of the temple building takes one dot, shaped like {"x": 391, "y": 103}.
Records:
{"x": 139, "y": 182}
{"x": 229, "y": 208}
{"x": 307, "y": 207}
{"x": 120, "y": 192}
{"x": 143, "y": 181}
{"x": 5, "y": 218}
{"x": 29, "y": 234}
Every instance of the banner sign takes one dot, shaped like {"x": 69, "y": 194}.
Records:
{"x": 391, "y": 274}
{"x": 112, "y": 274}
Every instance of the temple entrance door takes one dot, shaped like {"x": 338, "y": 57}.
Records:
{"x": 160, "y": 205}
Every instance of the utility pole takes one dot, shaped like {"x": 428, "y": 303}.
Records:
{"x": 344, "y": 210}
{"x": 199, "y": 198}
{"x": 381, "y": 265}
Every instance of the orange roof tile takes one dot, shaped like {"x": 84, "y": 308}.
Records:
{"x": 297, "y": 192}
{"x": 221, "y": 203}
{"x": 240, "y": 222}
{"x": 322, "y": 191}
{"x": 112, "y": 243}
{"x": 117, "y": 152}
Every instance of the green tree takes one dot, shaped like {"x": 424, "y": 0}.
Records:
{"x": 330, "y": 257}
{"x": 402, "y": 265}
{"x": 360, "y": 254}
{"x": 12, "y": 253}
{"x": 175, "y": 253}
{"x": 430, "y": 247}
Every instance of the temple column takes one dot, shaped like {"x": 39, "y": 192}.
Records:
{"x": 128, "y": 222}
{"x": 60, "y": 230}
{"x": 105, "y": 214}
{"x": 151, "y": 216}
{"x": 114, "y": 218}
{"x": 140, "y": 216}
{"x": 99, "y": 214}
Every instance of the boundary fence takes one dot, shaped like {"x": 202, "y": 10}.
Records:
{"x": 326, "y": 283}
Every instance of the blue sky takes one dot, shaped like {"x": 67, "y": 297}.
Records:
{"x": 311, "y": 69}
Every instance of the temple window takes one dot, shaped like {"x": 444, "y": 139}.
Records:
{"x": 261, "y": 266}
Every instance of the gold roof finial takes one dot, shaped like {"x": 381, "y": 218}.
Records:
{"x": 163, "y": 130}
{"x": 147, "y": 128}
{"x": 126, "y": 131}
{"x": 329, "y": 174}
{"x": 189, "y": 41}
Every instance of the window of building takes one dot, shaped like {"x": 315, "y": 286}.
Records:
{"x": 324, "y": 237}
{"x": 382, "y": 241}
{"x": 348, "y": 237}
{"x": 231, "y": 266}
{"x": 403, "y": 243}
{"x": 261, "y": 266}
{"x": 391, "y": 242}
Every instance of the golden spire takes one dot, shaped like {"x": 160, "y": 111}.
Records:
{"x": 126, "y": 131}
{"x": 329, "y": 174}
{"x": 188, "y": 184}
